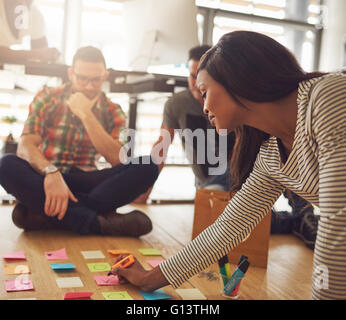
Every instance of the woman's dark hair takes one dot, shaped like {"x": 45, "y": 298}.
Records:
{"x": 258, "y": 68}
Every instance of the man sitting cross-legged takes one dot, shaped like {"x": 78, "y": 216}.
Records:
{"x": 54, "y": 176}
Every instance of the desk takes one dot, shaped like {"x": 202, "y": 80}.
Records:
{"x": 131, "y": 82}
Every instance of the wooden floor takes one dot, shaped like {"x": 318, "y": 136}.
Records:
{"x": 288, "y": 275}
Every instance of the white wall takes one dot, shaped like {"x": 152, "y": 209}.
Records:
{"x": 334, "y": 36}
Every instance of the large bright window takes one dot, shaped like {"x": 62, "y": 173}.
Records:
{"x": 298, "y": 37}
{"x": 279, "y": 9}
{"x": 102, "y": 26}
{"x": 301, "y": 43}
{"x": 53, "y": 13}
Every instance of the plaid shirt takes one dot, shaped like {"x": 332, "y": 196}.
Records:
{"x": 65, "y": 141}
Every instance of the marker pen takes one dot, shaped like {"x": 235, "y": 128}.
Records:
{"x": 222, "y": 262}
{"x": 235, "y": 291}
{"x": 123, "y": 264}
{"x": 236, "y": 277}
{"x": 228, "y": 270}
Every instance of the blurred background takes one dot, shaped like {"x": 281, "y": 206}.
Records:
{"x": 154, "y": 36}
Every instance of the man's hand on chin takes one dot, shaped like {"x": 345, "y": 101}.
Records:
{"x": 81, "y": 105}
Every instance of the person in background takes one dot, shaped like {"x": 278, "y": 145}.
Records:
{"x": 55, "y": 177}
{"x": 184, "y": 110}
{"x": 290, "y": 134}
{"x": 18, "y": 19}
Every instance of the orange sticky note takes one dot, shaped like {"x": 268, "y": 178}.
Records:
{"x": 118, "y": 252}
{"x": 16, "y": 269}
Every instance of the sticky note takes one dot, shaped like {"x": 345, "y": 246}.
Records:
{"x": 99, "y": 267}
{"x": 77, "y": 295}
{"x": 18, "y": 285}
{"x": 156, "y": 295}
{"x": 150, "y": 252}
{"x": 14, "y": 256}
{"x": 71, "y": 282}
{"x": 155, "y": 263}
{"x": 16, "y": 269}
{"x": 93, "y": 254}
{"x": 191, "y": 294}
{"x": 56, "y": 255}
{"x": 118, "y": 252}
{"x": 106, "y": 280}
{"x": 121, "y": 295}
{"x": 62, "y": 267}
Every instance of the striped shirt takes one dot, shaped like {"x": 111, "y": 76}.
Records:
{"x": 315, "y": 170}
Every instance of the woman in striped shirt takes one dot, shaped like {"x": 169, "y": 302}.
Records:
{"x": 291, "y": 134}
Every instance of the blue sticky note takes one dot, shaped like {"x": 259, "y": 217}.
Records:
{"x": 156, "y": 295}
{"x": 62, "y": 267}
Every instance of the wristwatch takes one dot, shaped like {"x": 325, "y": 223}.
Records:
{"x": 50, "y": 169}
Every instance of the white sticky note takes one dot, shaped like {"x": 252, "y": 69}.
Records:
{"x": 69, "y": 282}
{"x": 96, "y": 254}
{"x": 191, "y": 294}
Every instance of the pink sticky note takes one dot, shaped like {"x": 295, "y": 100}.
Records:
{"x": 56, "y": 255}
{"x": 155, "y": 263}
{"x": 106, "y": 280}
{"x": 18, "y": 285}
{"x": 14, "y": 256}
{"x": 78, "y": 295}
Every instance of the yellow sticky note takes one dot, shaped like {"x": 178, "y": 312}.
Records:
{"x": 99, "y": 267}
{"x": 16, "y": 269}
{"x": 120, "y": 295}
{"x": 150, "y": 252}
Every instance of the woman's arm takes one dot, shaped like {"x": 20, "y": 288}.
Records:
{"x": 243, "y": 213}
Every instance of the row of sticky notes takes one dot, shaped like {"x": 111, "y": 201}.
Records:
{"x": 105, "y": 280}
{"x": 23, "y": 284}
{"x": 61, "y": 254}
{"x": 185, "y": 294}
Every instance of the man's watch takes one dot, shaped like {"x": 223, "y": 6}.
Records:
{"x": 50, "y": 169}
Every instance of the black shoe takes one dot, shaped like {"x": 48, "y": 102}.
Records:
{"x": 305, "y": 228}
{"x": 23, "y": 219}
{"x": 132, "y": 224}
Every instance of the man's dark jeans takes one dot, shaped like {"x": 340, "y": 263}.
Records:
{"x": 98, "y": 192}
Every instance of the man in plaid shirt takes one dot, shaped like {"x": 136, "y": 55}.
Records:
{"x": 55, "y": 178}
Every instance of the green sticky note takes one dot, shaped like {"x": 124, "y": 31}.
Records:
{"x": 120, "y": 295}
{"x": 150, "y": 252}
{"x": 99, "y": 267}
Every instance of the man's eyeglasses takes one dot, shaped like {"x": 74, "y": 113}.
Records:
{"x": 83, "y": 80}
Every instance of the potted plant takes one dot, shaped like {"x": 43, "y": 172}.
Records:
{"x": 10, "y": 145}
